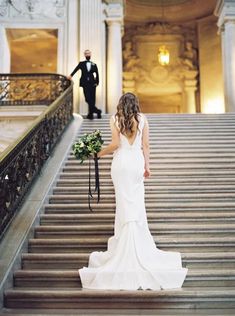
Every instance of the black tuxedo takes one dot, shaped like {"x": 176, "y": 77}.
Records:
{"x": 88, "y": 81}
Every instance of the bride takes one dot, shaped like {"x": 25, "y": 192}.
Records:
{"x": 132, "y": 260}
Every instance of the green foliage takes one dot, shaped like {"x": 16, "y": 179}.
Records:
{"x": 88, "y": 145}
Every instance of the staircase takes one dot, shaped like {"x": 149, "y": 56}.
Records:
{"x": 190, "y": 201}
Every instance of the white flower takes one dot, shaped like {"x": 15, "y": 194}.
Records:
{"x": 82, "y": 144}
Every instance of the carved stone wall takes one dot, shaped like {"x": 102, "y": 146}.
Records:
{"x": 42, "y": 14}
{"x": 60, "y": 15}
{"x": 161, "y": 88}
{"x": 37, "y": 10}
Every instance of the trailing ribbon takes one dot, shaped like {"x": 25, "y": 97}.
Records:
{"x": 97, "y": 182}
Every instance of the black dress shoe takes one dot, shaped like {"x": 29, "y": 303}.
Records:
{"x": 90, "y": 116}
{"x": 99, "y": 116}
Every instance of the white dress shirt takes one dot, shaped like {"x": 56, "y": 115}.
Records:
{"x": 88, "y": 65}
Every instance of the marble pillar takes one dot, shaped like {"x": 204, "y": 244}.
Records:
{"x": 190, "y": 101}
{"x": 73, "y": 49}
{"x": 225, "y": 10}
{"x": 114, "y": 20}
{"x": 190, "y": 87}
{"x": 5, "y": 59}
{"x": 210, "y": 65}
{"x": 92, "y": 37}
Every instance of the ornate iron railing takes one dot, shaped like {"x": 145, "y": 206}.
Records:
{"x": 22, "y": 161}
{"x": 29, "y": 89}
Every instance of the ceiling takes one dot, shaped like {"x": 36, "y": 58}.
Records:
{"x": 178, "y": 11}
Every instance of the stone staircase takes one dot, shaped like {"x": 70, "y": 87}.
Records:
{"x": 190, "y": 201}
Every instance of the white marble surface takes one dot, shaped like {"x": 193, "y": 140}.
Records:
{"x": 92, "y": 37}
{"x": 225, "y": 11}
{"x": 14, "y": 121}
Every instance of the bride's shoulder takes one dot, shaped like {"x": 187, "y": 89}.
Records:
{"x": 114, "y": 121}
{"x": 143, "y": 120}
{"x": 143, "y": 117}
{"x": 113, "y": 118}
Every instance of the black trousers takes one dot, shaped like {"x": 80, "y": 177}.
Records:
{"x": 89, "y": 94}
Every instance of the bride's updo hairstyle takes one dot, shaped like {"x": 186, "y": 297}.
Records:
{"x": 127, "y": 109}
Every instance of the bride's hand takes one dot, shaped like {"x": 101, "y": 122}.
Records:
{"x": 147, "y": 173}
{"x": 97, "y": 155}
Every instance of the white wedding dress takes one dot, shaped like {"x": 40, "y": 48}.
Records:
{"x": 132, "y": 260}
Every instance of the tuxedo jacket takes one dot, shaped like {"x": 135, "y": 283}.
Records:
{"x": 87, "y": 77}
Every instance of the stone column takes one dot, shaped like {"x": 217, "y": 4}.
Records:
{"x": 73, "y": 48}
{"x": 225, "y": 10}
{"x": 190, "y": 87}
{"x": 5, "y": 60}
{"x": 190, "y": 102}
{"x": 114, "y": 20}
{"x": 92, "y": 37}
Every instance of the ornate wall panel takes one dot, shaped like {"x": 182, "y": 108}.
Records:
{"x": 144, "y": 75}
{"x": 39, "y": 10}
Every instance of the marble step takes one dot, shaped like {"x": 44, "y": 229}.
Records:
{"x": 175, "y": 243}
{"x": 166, "y": 118}
{"x": 71, "y": 279}
{"x": 162, "y": 182}
{"x": 157, "y": 229}
{"x": 153, "y": 217}
{"x": 178, "y": 134}
{"x": 186, "y": 298}
{"x": 192, "y": 141}
{"x": 167, "y": 124}
{"x": 157, "y": 146}
{"x": 161, "y": 167}
{"x": 150, "y": 197}
{"x": 161, "y": 160}
{"x": 173, "y": 140}
{"x": 169, "y": 173}
{"x": 124, "y": 312}
{"x": 149, "y": 189}
{"x": 167, "y": 130}
{"x": 166, "y": 206}
{"x": 184, "y": 117}
{"x": 54, "y": 261}
{"x": 157, "y": 152}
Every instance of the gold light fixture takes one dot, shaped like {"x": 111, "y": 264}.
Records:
{"x": 163, "y": 52}
{"x": 163, "y": 55}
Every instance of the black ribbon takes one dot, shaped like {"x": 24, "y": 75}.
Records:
{"x": 97, "y": 182}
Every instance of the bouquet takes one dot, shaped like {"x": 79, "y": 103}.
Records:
{"x": 88, "y": 145}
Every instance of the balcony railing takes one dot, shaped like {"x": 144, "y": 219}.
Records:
{"x": 30, "y": 89}
{"x": 22, "y": 161}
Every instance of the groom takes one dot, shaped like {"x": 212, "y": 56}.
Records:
{"x": 89, "y": 81}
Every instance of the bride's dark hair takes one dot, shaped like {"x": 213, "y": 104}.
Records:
{"x": 127, "y": 109}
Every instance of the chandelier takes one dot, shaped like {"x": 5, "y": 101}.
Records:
{"x": 163, "y": 52}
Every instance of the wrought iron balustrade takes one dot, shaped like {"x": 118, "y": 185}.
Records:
{"x": 30, "y": 89}
{"x": 22, "y": 161}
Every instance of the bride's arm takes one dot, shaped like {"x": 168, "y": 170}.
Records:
{"x": 114, "y": 142}
{"x": 145, "y": 144}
